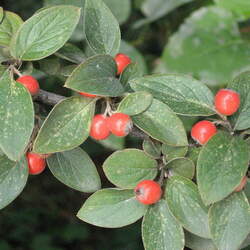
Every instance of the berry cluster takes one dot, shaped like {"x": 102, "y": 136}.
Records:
{"x": 226, "y": 103}
{"x": 118, "y": 124}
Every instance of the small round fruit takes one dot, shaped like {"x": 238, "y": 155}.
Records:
{"x": 227, "y": 101}
{"x": 36, "y": 163}
{"x": 99, "y": 128}
{"x": 87, "y": 94}
{"x": 120, "y": 124}
{"x": 30, "y": 83}
{"x": 148, "y": 192}
{"x": 122, "y": 61}
{"x": 202, "y": 131}
{"x": 241, "y": 185}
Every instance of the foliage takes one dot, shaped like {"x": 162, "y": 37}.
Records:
{"x": 75, "y": 43}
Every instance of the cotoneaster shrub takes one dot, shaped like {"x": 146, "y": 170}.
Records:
{"x": 186, "y": 184}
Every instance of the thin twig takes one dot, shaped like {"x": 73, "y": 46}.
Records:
{"x": 48, "y": 97}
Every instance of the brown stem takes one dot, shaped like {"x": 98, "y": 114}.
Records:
{"x": 52, "y": 99}
{"x": 48, "y": 97}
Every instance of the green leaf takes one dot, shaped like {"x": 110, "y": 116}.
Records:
{"x": 229, "y": 221}
{"x": 155, "y": 9}
{"x": 67, "y": 70}
{"x": 13, "y": 178}
{"x": 135, "y": 103}
{"x": 204, "y": 42}
{"x": 183, "y": 94}
{"x": 66, "y": 127}
{"x": 16, "y": 117}
{"x": 45, "y": 32}
{"x": 111, "y": 208}
{"x": 75, "y": 169}
{"x": 185, "y": 203}
{"x": 128, "y": 167}
{"x": 113, "y": 142}
{"x": 247, "y": 190}
{"x": 96, "y": 76}
{"x": 78, "y": 34}
{"x": 135, "y": 56}
{"x": 241, "y": 84}
{"x": 222, "y": 163}
{"x": 193, "y": 153}
{"x": 50, "y": 66}
{"x": 9, "y": 24}
{"x": 101, "y": 28}
{"x": 120, "y": 9}
{"x": 160, "y": 229}
{"x": 130, "y": 72}
{"x": 71, "y": 53}
{"x": 241, "y": 8}
{"x": 181, "y": 166}
{"x": 195, "y": 242}
{"x": 171, "y": 152}
{"x": 4, "y": 56}
{"x": 152, "y": 148}
{"x": 161, "y": 123}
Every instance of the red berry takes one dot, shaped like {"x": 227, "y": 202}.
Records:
{"x": 120, "y": 124}
{"x": 36, "y": 163}
{"x": 122, "y": 61}
{"x": 87, "y": 94}
{"x": 202, "y": 131}
{"x": 241, "y": 185}
{"x": 30, "y": 83}
{"x": 148, "y": 192}
{"x": 227, "y": 101}
{"x": 99, "y": 128}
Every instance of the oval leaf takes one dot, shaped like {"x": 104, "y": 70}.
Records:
{"x": 111, "y": 208}
{"x": 183, "y": 94}
{"x": 128, "y": 167}
{"x": 9, "y": 24}
{"x": 181, "y": 166}
{"x": 71, "y": 53}
{"x": 113, "y": 142}
{"x": 186, "y": 205}
{"x": 75, "y": 169}
{"x": 195, "y": 242}
{"x": 222, "y": 163}
{"x": 96, "y": 76}
{"x": 13, "y": 178}
{"x": 135, "y": 103}
{"x": 130, "y": 72}
{"x": 160, "y": 229}
{"x": 66, "y": 127}
{"x": 171, "y": 152}
{"x": 229, "y": 221}
{"x": 101, "y": 28}
{"x": 241, "y": 84}
{"x": 45, "y": 32}
{"x": 152, "y": 148}
{"x": 16, "y": 117}
{"x": 161, "y": 123}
